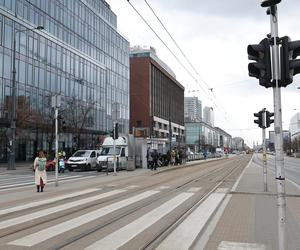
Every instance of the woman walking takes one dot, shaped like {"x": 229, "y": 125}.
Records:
{"x": 40, "y": 171}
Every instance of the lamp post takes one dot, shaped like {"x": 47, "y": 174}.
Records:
{"x": 12, "y": 142}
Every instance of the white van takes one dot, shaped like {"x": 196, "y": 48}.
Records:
{"x": 83, "y": 159}
{"x": 106, "y": 157}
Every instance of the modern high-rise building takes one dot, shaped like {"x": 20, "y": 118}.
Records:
{"x": 156, "y": 97}
{"x": 192, "y": 109}
{"x": 79, "y": 54}
{"x": 208, "y": 115}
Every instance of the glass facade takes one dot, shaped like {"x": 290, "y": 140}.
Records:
{"x": 79, "y": 55}
{"x": 199, "y": 135}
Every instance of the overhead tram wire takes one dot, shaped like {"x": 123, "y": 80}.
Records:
{"x": 181, "y": 51}
{"x": 177, "y": 59}
{"x": 188, "y": 61}
{"x": 160, "y": 39}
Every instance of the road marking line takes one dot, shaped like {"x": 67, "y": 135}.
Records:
{"x": 16, "y": 178}
{"x": 50, "y": 200}
{"x": 50, "y": 232}
{"x": 45, "y": 212}
{"x": 185, "y": 234}
{"x": 230, "y": 245}
{"x": 126, "y": 233}
{"x": 194, "y": 189}
{"x": 132, "y": 187}
{"x": 162, "y": 187}
{"x": 19, "y": 186}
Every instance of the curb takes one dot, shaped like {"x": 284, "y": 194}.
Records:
{"x": 192, "y": 164}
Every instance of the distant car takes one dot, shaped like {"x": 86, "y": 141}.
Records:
{"x": 83, "y": 159}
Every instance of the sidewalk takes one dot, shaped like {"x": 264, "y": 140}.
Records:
{"x": 248, "y": 218}
{"x": 26, "y": 166}
{"x": 20, "y": 166}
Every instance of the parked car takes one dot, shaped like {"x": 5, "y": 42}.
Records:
{"x": 83, "y": 159}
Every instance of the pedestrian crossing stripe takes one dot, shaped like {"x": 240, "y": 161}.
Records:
{"x": 48, "y": 211}
{"x": 194, "y": 189}
{"x": 65, "y": 179}
{"x": 48, "y": 201}
{"x": 48, "y": 233}
{"x": 196, "y": 220}
{"x": 128, "y": 232}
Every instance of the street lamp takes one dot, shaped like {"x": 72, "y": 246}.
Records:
{"x": 12, "y": 142}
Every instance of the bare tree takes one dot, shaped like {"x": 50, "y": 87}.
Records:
{"x": 77, "y": 115}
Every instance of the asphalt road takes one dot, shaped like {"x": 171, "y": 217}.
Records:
{"x": 291, "y": 166}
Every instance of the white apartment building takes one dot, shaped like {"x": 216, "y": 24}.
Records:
{"x": 208, "y": 115}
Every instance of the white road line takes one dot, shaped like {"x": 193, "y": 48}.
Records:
{"x": 50, "y": 200}
{"x": 194, "y": 189}
{"x": 50, "y": 232}
{"x": 162, "y": 187}
{"x": 126, "y": 233}
{"x": 229, "y": 245}
{"x": 185, "y": 234}
{"x": 132, "y": 187}
{"x": 49, "y": 180}
{"x": 16, "y": 177}
{"x": 45, "y": 212}
{"x": 17, "y": 186}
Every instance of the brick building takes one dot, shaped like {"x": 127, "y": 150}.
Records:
{"x": 156, "y": 97}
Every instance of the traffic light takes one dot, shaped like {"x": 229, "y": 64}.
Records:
{"x": 261, "y": 69}
{"x": 269, "y": 121}
{"x": 63, "y": 125}
{"x": 259, "y": 119}
{"x": 116, "y": 131}
{"x": 290, "y": 66}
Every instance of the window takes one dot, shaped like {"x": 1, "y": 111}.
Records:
{"x": 123, "y": 152}
{"x": 7, "y": 35}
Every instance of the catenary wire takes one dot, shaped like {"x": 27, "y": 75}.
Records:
{"x": 183, "y": 54}
{"x": 177, "y": 59}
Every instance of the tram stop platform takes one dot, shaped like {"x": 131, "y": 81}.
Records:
{"x": 248, "y": 216}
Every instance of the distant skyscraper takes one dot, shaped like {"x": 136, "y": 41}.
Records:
{"x": 192, "y": 109}
{"x": 295, "y": 126}
{"x": 208, "y": 115}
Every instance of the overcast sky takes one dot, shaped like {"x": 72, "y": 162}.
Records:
{"x": 214, "y": 36}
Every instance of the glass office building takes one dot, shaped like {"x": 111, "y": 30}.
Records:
{"x": 79, "y": 55}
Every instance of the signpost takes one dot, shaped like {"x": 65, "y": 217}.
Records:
{"x": 115, "y": 117}
{"x": 56, "y": 103}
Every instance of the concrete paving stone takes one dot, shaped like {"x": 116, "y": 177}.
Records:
{"x": 251, "y": 214}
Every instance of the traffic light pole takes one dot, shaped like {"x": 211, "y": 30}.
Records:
{"x": 56, "y": 146}
{"x": 279, "y": 160}
{"x": 114, "y": 132}
{"x": 264, "y": 160}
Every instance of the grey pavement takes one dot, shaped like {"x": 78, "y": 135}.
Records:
{"x": 249, "y": 219}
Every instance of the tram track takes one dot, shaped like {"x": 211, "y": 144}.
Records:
{"x": 164, "y": 233}
{"x": 211, "y": 172}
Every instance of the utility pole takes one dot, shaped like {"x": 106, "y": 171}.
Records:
{"x": 56, "y": 103}
{"x": 115, "y": 117}
{"x": 279, "y": 160}
{"x": 264, "y": 151}
{"x": 273, "y": 73}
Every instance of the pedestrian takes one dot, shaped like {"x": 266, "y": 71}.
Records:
{"x": 39, "y": 166}
{"x": 173, "y": 157}
{"x": 154, "y": 159}
{"x": 149, "y": 158}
